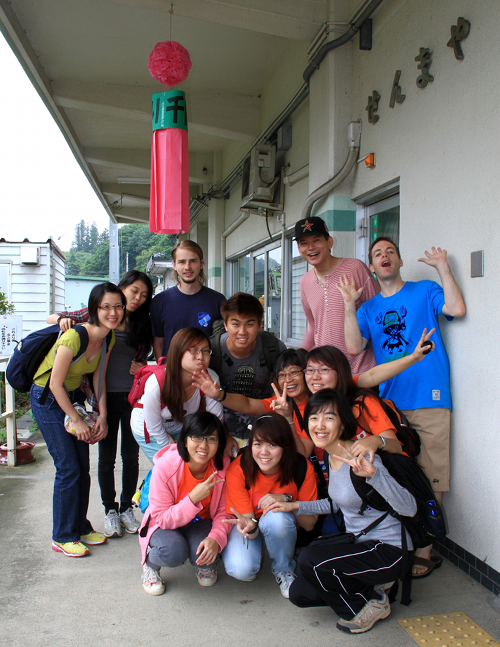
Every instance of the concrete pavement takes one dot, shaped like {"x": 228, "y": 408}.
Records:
{"x": 49, "y": 599}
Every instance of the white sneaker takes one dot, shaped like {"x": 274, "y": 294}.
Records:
{"x": 112, "y": 525}
{"x": 206, "y": 576}
{"x": 363, "y": 621}
{"x": 129, "y": 522}
{"x": 284, "y": 579}
{"x": 151, "y": 581}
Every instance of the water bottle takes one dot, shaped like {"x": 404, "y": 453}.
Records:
{"x": 435, "y": 523}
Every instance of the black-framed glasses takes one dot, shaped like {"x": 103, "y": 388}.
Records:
{"x": 204, "y": 351}
{"x": 211, "y": 440}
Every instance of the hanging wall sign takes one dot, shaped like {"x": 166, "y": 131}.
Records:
{"x": 11, "y": 331}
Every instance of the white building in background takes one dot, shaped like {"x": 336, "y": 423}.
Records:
{"x": 32, "y": 277}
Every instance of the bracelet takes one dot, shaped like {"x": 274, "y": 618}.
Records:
{"x": 291, "y": 423}
{"x": 61, "y": 317}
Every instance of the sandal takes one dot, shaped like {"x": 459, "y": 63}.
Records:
{"x": 431, "y": 564}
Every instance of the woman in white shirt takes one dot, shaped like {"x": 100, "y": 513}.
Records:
{"x": 158, "y": 422}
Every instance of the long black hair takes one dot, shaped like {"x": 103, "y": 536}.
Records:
{"x": 139, "y": 322}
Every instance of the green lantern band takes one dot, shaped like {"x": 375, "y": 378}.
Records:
{"x": 169, "y": 110}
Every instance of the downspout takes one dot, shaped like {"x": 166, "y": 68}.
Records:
{"x": 341, "y": 40}
{"x": 354, "y": 136}
{"x": 223, "y": 237}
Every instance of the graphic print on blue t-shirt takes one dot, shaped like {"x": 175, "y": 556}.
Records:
{"x": 204, "y": 319}
{"x": 392, "y": 323}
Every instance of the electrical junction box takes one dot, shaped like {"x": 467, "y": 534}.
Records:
{"x": 30, "y": 255}
{"x": 257, "y": 182}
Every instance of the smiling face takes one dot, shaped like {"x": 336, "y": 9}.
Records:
{"x": 293, "y": 377}
{"x": 318, "y": 380}
{"x": 325, "y": 428}
{"x": 136, "y": 294}
{"x": 188, "y": 265}
{"x": 200, "y": 453}
{"x": 315, "y": 249}
{"x": 267, "y": 456}
{"x": 385, "y": 260}
{"x": 242, "y": 334}
{"x": 196, "y": 359}
{"x": 110, "y": 310}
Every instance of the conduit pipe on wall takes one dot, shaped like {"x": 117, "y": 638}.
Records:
{"x": 293, "y": 178}
{"x": 354, "y": 136}
{"x": 223, "y": 237}
{"x": 341, "y": 40}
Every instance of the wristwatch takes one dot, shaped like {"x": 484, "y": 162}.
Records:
{"x": 223, "y": 395}
{"x": 384, "y": 441}
{"x": 288, "y": 498}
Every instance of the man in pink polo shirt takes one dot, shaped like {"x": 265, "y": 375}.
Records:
{"x": 322, "y": 302}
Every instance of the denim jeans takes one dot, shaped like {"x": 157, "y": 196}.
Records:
{"x": 242, "y": 557}
{"x": 150, "y": 449}
{"x": 71, "y": 460}
{"x": 119, "y": 411}
{"x": 172, "y": 547}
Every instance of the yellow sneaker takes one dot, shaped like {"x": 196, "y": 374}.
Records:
{"x": 71, "y": 548}
{"x": 93, "y": 539}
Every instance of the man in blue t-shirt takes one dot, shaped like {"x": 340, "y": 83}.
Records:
{"x": 393, "y": 320}
{"x": 187, "y": 304}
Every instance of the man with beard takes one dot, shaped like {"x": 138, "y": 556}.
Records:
{"x": 189, "y": 303}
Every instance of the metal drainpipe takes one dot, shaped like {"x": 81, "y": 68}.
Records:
{"x": 341, "y": 40}
{"x": 354, "y": 136}
{"x": 223, "y": 237}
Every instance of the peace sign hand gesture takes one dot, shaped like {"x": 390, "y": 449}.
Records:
{"x": 360, "y": 465}
{"x": 246, "y": 525}
{"x": 202, "y": 490}
{"x": 280, "y": 405}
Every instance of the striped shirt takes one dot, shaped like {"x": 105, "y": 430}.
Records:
{"x": 324, "y": 309}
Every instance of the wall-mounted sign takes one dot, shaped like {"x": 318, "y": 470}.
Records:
{"x": 424, "y": 56}
{"x": 396, "y": 96}
{"x": 372, "y": 107}
{"x": 459, "y": 32}
{"x": 11, "y": 331}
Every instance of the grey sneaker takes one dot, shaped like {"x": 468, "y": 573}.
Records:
{"x": 284, "y": 579}
{"x": 151, "y": 581}
{"x": 206, "y": 576}
{"x": 128, "y": 521}
{"x": 363, "y": 621}
{"x": 112, "y": 525}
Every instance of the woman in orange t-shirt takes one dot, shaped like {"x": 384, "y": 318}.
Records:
{"x": 268, "y": 471}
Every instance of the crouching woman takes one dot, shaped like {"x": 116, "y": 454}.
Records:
{"x": 186, "y": 504}
{"x": 270, "y": 470}
{"x": 349, "y": 577}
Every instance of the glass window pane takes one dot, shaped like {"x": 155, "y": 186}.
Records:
{"x": 259, "y": 276}
{"x": 243, "y": 284}
{"x": 385, "y": 223}
{"x": 297, "y": 321}
{"x": 274, "y": 289}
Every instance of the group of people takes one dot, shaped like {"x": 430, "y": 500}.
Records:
{"x": 236, "y": 425}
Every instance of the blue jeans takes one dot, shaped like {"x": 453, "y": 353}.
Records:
{"x": 172, "y": 547}
{"x": 71, "y": 460}
{"x": 242, "y": 557}
{"x": 150, "y": 448}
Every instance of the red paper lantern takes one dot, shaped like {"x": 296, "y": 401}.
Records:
{"x": 169, "y": 63}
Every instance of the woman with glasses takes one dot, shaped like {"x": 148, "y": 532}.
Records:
{"x": 133, "y": 345}
{"x": 268, "y": 471}
{"x": 158, "y": 420}
{"x": 187, "y": 504}
{"x": 72, "y": 531}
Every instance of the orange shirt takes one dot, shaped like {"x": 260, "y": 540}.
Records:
{"x": 245, "y": 501}
{"x": 187, "y": 485}
{"x": 300, "y": 406}
{"x": 373, "y": 418}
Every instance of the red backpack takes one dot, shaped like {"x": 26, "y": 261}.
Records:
{"x": 137, "y": 391}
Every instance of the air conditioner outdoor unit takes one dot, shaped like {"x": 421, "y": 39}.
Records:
{"x": 258, "y": 175}
{"x": 30, "y": 255}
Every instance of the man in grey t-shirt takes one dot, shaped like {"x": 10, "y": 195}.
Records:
{"x": 244, "y": 363}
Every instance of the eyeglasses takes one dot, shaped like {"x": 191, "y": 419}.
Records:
{"x": 204, "y": 351}
{"x": 321, "y": 371}
{"x": 106, "y": 307}
{"x": 291, "y": 375}
{"x": 211, "y": 440}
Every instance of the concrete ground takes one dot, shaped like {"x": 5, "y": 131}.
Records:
{"x": 49, "y": 599}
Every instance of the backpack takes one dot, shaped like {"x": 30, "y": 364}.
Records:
{"x": 269, "y": 355}
{"x": 407, "y": 436}
{"x": 137, "y": 391}
{"x": 424, "y": 527}
{"x": 30, "y": 352}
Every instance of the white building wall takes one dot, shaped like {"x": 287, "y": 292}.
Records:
{"x": 443, "y": 143}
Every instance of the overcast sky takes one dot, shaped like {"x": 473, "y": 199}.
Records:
{"x": 45, "y": 192}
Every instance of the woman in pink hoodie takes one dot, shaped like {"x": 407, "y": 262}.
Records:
{"x": 187, "y": 503}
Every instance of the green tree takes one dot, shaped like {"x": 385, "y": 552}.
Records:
{"x": 93, "y": 236}
{"x": 6, "y": 308}
{"x": 75, "y": 261}
{"x": 97, "y": 263}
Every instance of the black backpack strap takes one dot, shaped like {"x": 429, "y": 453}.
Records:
{"x": 270, "y": 350}
{"x": 300, "y": 471}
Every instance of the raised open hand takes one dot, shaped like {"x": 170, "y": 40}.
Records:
{"x": 437, "y": 257}
{"x": 348, "y": 290}
{"x": 203, "y": 381}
